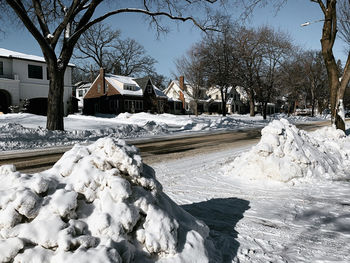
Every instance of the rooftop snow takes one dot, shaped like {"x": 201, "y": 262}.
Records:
{"x": 14, "y": 54}
{"x": 114, "y": 79}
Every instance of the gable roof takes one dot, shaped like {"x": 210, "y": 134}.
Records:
{"x": 118, "y": 83}
{"x": 6, "y": 53}
{"x": 175, "y": 85}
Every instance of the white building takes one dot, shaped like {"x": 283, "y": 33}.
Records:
{"x": 81, "y": 89}
{"x": 235, "y": 99}
{"x": 24, "y": 77}
{"x": 181, "y": 92}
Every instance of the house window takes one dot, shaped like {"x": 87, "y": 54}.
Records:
{"x": 1, "y": 68}
{"x": 149, "y": 88}
{"x": 133, "y": 105}
{"x": 35, "y": 72}
{"x": 81, "y": 93}
{"x": 216, "y": 97}
{"x": 98, "y": 87}
{"x": 128, "y": 87}
{"x": 106, "y": 88}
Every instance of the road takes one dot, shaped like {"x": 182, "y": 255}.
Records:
{"x": 153, "y": 150}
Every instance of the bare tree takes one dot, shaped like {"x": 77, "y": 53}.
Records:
{"x": 315, "y": 76}
{"x": 100, "y": 46}
{"x": 191, "y": 66}
{"x": 249, "y": 49}
{"x": 277, "y": 47}
{"x": 96, "y": 44}
{"x": 62, "y": 21}
{"x": 129, "y": 58}
{"x": 220, "y": 62}
{"x": 331, "y": 17}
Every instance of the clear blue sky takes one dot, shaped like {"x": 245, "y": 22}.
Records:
{"x": 168, "y": 47}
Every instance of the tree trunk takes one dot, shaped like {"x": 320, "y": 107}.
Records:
{"x": 327, "y": 41}
{"x": 264, "y": 110}
{"x": 251, "y": 104}
{"x": 55, "y": 107}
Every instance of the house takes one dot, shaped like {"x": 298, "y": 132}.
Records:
{"x": 236, "y": 101}
{"x": 114, "y": 94}
{"x": 81, "y": 88}
{"x": 25, "y": 77}
{"x": 182, "y": 95}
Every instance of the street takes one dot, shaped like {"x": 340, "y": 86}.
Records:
{"x": 153, "y": 150}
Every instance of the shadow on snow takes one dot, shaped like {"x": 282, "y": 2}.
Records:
{"x": 221, "y": 215}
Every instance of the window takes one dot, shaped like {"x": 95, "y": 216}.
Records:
{"x": 216, "y": 97}
{"x": 81, "y": 93}
{"x": 133, "y": 105}
{"x": 98, "y": 87}
{"x": 129, "y": 87}
{"x": 149, "y": 88}
{"x": 1, "y": 68}
{"x": 35, "y": 72}
{"x": 106, "y": 88}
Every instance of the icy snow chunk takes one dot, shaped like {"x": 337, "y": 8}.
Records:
{"x": 98, "y": 203}
{"x": 7, "y": 169}
{"x": 160, "y": 232}
{"x": 286, "y": 153}
{"x": 63, "y": 202}
{"x": 9, "y": 248}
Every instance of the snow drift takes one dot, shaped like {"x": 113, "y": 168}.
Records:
{"x": 286, "y": 153}
{"x": 98, "y": 203}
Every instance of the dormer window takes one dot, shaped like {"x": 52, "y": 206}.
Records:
{"x": 129, "y": 87}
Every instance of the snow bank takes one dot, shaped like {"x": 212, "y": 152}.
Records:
{"x": 286, "y": 153}
{"x": 98, "y": 203}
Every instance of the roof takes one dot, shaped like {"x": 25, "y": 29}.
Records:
{"x": 116, "y": 80}
{"x": 176, "y": 86}
{"x": 142, "y": 82}
{"x": 159, "y": 93}
{"x": 18, "y": 55}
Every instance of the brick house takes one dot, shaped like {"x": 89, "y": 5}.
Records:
{"x": 113, "y": 94}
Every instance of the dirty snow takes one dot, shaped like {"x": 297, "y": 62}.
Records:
{"x": 98, "y": 203}
{"x": 259, "y": 218}
{"x": 286, "y": 154}
{"x": 23, "y": 131}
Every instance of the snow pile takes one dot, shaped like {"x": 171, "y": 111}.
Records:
{"x": 16, "y": 136}
{"x": 286, "y": 153}
{"x": 98, "y": 203}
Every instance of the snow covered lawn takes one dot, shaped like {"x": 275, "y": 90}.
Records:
{"x": 23, "y": 131}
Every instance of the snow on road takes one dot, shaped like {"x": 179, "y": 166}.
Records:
{"x": 25, "y": 131}
{"x": 262, "y": 220}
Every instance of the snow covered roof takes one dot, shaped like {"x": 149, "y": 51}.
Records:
{"x": 18, "y": 55}
{"x": 84, "y": 85}
{"x": 175, "y": 85}
{"x": 159, "y": 93}
{"x": 118, "y": 83}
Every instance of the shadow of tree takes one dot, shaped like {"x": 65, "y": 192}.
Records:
{"x": 221, "y": 216}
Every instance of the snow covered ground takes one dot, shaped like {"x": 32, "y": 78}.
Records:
{"x": 285, "y": 199}
{"x": 23, "y": 131}
{"x": 256, "y": 214}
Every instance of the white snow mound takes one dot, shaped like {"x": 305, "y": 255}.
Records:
{"x": 99, "y": 203}
{"x": 286, "y": 153}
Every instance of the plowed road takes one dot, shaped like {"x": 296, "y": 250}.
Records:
{"x": 152, "y": 150}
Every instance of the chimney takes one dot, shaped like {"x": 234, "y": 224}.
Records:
{"x": 182, "y": 83}
{"x": 102, "y": 79}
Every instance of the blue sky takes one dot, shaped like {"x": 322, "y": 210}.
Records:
{"x": 182, "y": 36}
